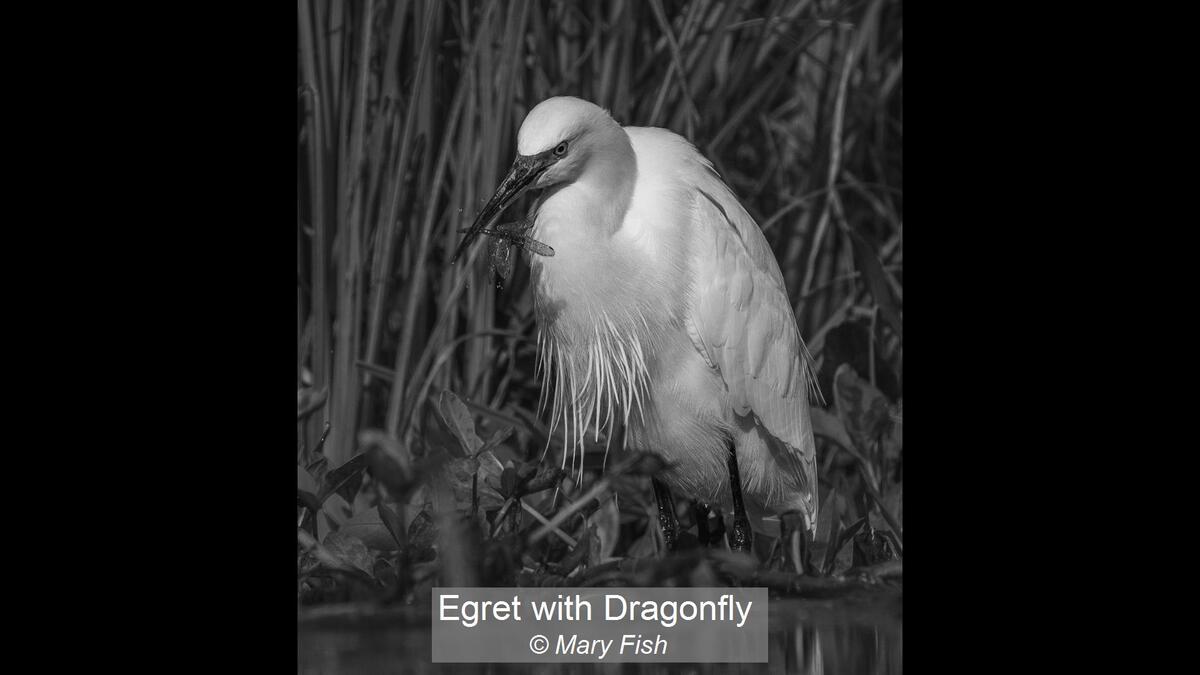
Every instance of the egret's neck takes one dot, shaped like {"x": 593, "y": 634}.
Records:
{"x": 587, "y": 211}
{"x": 592, "y": 270}
{"x": 608, "y": 181}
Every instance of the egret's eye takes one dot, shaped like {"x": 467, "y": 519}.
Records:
{"x": 560, "y": 149}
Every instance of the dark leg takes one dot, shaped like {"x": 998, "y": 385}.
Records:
{"x": 739, "y": 538}
{"x": 785, "y": 542}
{"x": 806, "y": 542}
{"x": 795, "y": 540}
{"x": 666, "y": 513}
{"x": 700, "y": 513}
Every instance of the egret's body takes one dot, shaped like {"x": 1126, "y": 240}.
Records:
{"x": 664, "y": 307}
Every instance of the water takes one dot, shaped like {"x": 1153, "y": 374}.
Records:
{"x": 855, "y": 636}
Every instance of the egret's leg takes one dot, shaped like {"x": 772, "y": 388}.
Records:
{"x": 700, "y": 513}
{"x": 666, "y": 513}
{"x": 784, "y": 547}
{"x": 806, "y": 546}
{"x": 796, "y": 542}
{"x": 740, "y": 538}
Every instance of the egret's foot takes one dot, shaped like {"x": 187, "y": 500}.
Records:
{"x": 667, "y": 521}
{"x": 740, "y": 538}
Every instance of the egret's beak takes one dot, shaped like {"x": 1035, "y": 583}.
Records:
{"x": 523, "y": 174}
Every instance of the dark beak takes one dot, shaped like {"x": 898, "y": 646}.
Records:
{"x": 524, "y": 172}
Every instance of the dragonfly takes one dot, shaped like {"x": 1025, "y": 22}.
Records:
{"x": 505, "y": 238}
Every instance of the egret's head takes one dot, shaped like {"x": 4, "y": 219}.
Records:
{"x": 564, "y": 132}
{"x": 556, "y": 141}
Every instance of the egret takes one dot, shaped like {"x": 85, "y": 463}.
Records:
{"x": 659, "y": 302}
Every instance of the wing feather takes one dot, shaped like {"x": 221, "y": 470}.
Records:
{"x": 746, "y": 326}
{"x": 741, "y": 320}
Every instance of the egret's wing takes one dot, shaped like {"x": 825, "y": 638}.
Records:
{"x": 742, "y": 322}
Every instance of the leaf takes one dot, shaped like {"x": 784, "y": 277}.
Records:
{"x": 829, "y": 525}
{"x": 309, "y": 500}
{"x": 509, "y": 481}
{"x": 498, "y": 436}
{"x": 644, "y": 547}
{"x": 454, "y": 420}
{"x": 421, "y": 534}
{"x": 476, "y": 482}
{"x": 344, "y": 480}
{"x": 308, "y": 400}
{"x": 318, "y": 468}
{"x": 390, "y": 462}
{"x": 594, "y": 545}
{"x": 844, "y": 559}
{"x": 577, "y": 555}
{"x": 893, "y": 439}
{"x": 608, "y": 528}
{"x": 867, "y": 261}
{"x": 304, "y": 481}
{"x": 829, "y": 551}
{"x": 861, "y": 407}
{"x": 370, "y": 438}
{"x": 350, "y": 551}
{"x": 871, "y": 547}
{"x": 438, "y": 435}
{"x": 844, "y": 555}
{"x": 545, "y": 477}
{"x": 894, "y": 504}
{"x": 461, "y": 423}
{"x": 368, "y": 526}
{"x": 850, "y": 342}
{"x": 336, "y": 511}
{"x": 828, "y": 425}
{"x": 392, "y": 522}
{"x": 825, "y": 517}
{"x": 460, "y": 474}
{"x": 490, "y": 480}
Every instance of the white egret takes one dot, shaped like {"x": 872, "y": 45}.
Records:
{"x": 662, "y": 305}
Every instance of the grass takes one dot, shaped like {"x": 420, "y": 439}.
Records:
{"x": 418, "y": 445}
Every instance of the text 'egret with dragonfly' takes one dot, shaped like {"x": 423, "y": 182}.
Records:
{"x": 659, "y": 303}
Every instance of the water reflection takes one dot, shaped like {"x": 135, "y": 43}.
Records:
{"x": 812, "y": 638}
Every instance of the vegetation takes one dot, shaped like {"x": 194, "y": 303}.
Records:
{"x": 419, "y": 447}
